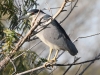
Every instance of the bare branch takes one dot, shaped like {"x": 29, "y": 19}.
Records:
{"x": 28, "y": 71}
{"x": 59, "y": 11}
{"x": 69, "y": 13}
{"x": 78, "y": 69}
{"x": 85, "y": 37}
{"x": 55, "y": 7}
{"x": 49, "y": 8}
{"x": 98, "y": 58}
{"x": 70, "y": 66}
{"x": 89, "y": 65}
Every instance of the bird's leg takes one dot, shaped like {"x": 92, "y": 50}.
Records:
{"x": 50, "y": 54}
{"x": 54, "y": 59}
{"x": 49, "y": 61}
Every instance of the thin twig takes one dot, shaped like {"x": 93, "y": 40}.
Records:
{"x": 13, "y": 66}
{"x": 89, "y": 65}
{"x": 26, "y": 50}
{"x": 69, "y": 12}
{"x": 70, "y": 66}
{"x": 77, "y": 63}
{"x": 49, "y": 8}
{"x": 85, "y": 37}
{"x": 78, "y": 69}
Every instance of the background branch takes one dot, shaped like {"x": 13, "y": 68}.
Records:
{"x": 97, "y": 58}
{"x": 89, "y": 64}
{"x": 85, "y": 37}
{"x": 69, "y": 12}
{"x": 70, "y": 66}
{"x": 28, "y": 71}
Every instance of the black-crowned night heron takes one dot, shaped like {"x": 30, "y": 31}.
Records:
{"x": 53, "y": 35}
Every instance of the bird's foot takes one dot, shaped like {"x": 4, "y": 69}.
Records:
{"x": 50, "y": 63}
{"x": 47, "y": 65}
{"x": 52, "y": 60}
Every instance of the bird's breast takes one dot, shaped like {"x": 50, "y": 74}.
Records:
{"x": 46, "y": 41}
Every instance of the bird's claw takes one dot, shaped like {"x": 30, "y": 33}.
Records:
{"x": 50, "y": 63}
{"x": 47, "y": 65}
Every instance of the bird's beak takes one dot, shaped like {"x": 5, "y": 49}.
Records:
{"x": 24, "y": 17}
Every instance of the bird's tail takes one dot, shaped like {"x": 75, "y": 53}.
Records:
{"x": 72, "y": 49}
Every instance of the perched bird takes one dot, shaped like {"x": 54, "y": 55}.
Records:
{"x": 53, "y": 35}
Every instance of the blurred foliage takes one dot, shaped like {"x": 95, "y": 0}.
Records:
{"x": 10, "y": 38}
{"x": 11, "y": 10}
{"x": 25, "y": 62}
{"x": 7, "y": 7}
{"x": 1, "y": 31}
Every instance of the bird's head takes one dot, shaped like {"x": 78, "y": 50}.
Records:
{"x": 31, "y": 14}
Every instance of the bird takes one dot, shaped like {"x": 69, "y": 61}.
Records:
{"x": 53, "y": 35}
